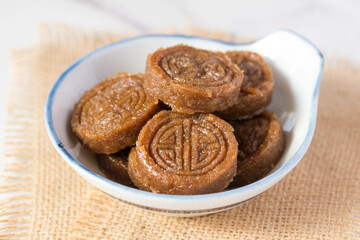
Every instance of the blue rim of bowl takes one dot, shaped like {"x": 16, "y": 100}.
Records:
{"x": 271, "y": 179}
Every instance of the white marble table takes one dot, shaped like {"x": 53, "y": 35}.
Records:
{"x": 333, "y": 25}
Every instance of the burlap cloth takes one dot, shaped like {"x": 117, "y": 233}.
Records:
{"x": 43, "y": 198}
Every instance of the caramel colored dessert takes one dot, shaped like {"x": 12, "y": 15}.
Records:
{"x": 115, "y": 166}
{"x": 184, "y": 154}
{"x": 191, "y": 80}
{"x": 256, "y": 90}
{"x": 108, "y": 117}
{"x": 261, "y": 145}
{"x": 180, "y": 147}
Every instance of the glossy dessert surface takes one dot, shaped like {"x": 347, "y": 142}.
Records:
{"x": 192, "y": 80}
{"x": 115, "y": 166}
{"x": 257, "y": 88}
{"x": 109, "y": 116}
{"x": 184, "y": 154}
{"x": 261, "y": 145}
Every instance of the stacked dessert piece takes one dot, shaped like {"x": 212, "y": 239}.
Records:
{"x": 197, "y": 118}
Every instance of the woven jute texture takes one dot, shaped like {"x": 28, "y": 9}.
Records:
{"x": 43, "y": 198}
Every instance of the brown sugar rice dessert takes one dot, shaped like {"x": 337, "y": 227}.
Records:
{"x": 261, "y": 145}
{"x": 256, "y": 90}
{"x": 191, "y": 80}
{"x": 115, "y": 166}
{"x": 184, "y": 154}
{"x": 184, "y": 149}
{"x": 108, "y": 117}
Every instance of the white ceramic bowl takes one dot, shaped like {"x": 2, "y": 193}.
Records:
{"x": 297, "y": 66}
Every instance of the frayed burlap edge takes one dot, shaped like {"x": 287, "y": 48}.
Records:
{"x": 16, "y": 189}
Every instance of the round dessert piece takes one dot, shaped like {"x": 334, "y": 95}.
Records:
{"x": 261, "y": 145}
{"x": 256, "y": 90}
{"x": 184, "y": 154}
{"x": 115, "y": 166}
{"x": 108, "y": 117}
{"x": 191, "y": 80}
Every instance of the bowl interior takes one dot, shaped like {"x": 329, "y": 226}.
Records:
{"x": 296, "y": 66}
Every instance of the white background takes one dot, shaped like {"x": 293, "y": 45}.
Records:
{"x": 334, "y": 26}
